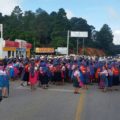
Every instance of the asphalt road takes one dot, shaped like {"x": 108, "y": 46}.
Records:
{"x": 56, "y": 103}
{"x": 59, "y": 103}
{"x": 101, "y": 106}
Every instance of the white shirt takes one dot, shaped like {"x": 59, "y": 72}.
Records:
{"x": 76, "y": 73}
{"x": 105, "y": 72}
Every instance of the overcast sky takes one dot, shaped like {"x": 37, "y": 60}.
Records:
{"x": 96, "y": 12}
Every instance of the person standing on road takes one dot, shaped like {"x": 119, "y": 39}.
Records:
{"x": 25, "y": 76}
{"x": 33, "y": 75}
{"x": 76, "y": 80}
{"x": 4, "y": 83}
{"x": 115, "y": 75}
{"x": 92, "y": 73}
{"x": 110, "y": 78}
{"x": 43, "y": 76}
{"x": 5, "y": 90}
{"x": 83, "y": 69}
{"x": 0, "y": 94}
{"x": 1, "y": 83}
{"x": 11, "y": 71}
{"x": 63, "y": 73}
{"x": 1, "y": 79}
{"x": 104, "y": 78}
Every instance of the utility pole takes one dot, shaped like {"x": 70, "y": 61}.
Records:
{"x": 1, "y": 40}
{"x": 1, "y": 30}
{"x": 77, "y": 45}
{"x": 34, "y": 46}
{"x": 68, "y": 35}
{"x": 83, "y": 46}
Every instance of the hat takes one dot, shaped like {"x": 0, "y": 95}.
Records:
{"x": 32, "y": 58}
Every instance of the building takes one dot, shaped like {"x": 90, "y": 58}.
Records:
{"x": 14, "y": 48}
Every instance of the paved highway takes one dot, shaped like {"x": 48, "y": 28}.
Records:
{"x": 59, "y": 103}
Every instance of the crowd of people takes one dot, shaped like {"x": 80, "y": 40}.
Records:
{"x": 42, "y": 71}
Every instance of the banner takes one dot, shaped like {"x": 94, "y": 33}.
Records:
{"x": 62, "y": 50}
{"x": 11, "y": 44}
{"x": 44, "y": 50}
{"x": 28, "y": 45}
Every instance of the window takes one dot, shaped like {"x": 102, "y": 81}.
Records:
{"x": 13, "y": 53}
{"x": 9, "y": 53}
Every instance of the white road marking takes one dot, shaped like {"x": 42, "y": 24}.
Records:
{"x": 49, "y": 89}
{"x": 21, "y": 87}
{"x": 61, "y": 90}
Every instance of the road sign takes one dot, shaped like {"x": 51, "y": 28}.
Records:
{"x": 79, "y": 34}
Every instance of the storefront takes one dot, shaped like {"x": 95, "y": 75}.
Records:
{"x": 24, "y": 48}
{"x": 9, "y": 51}
{"x": 10, "y": 48}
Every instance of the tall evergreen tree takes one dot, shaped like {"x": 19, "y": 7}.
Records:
{"x": 60, "y": 27}
{"x": 42, "y": 25}
{"x": 105, "y": 37}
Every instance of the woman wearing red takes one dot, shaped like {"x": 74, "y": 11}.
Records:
{"x": 115, "y": 70}
{"x": 33, "y": 75}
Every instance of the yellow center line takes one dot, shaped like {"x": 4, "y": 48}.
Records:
{"x": 80, "y": 106}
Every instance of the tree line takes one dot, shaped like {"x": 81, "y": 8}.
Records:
{"x": 50, "y": 30}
